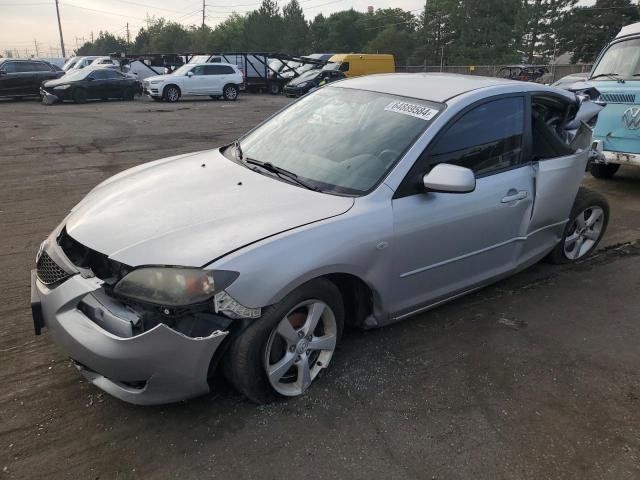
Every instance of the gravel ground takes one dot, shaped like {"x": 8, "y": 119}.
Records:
{"x": 534, "y": 377}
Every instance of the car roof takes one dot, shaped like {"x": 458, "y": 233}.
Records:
{"x": 437, "y": 87}
{"x": 632, "y": 29}
{"x": 212, "y": 63}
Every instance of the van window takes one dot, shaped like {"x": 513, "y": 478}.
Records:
{"x": 344, "y": 67}
{"x": 621, "y": 58}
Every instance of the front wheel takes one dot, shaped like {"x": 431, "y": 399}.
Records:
{"x": 274, "y": 88}
{"x": 603, "y": 170}
{"x": 587, "y": 224}
{"x": 230, "y": 92}
{"x": 171, "y": 94}
{"x": 282, "y": 352}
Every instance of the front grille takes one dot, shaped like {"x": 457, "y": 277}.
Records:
{"x": 618, "y": 97}
{"x": 48, "y": 271}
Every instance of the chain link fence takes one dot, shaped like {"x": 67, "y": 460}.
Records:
{"x": 556, "y": 72}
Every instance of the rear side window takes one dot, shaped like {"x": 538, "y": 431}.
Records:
{"x": 218, "y": 70}
{"x": 99, "y": 75}
{"x": 344, "y": 67}
{"x": 22, "y": 67}
{"x": 38, "y": 67}
{"x": 486, "y": 139}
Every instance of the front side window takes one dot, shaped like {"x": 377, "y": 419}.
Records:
{"x": 485, "y": 139}
{"x": 199, "y": 70}
{"x": 340, "y": 140}
{"x": 621, "y": 60}
{"x": 9, "y": 67}
{"x": 99, "y": 75}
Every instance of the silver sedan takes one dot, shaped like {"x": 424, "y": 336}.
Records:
{"x": 361, "y": 204}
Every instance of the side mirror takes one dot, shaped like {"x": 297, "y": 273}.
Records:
{"x": 449, "y": 178}
{"x": 189, "y": 74}
{"x": 90, "y": 78}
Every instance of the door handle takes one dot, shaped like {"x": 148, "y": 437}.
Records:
{"x": 514, "y": 197}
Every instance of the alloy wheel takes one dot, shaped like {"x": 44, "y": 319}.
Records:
{"x": 172, "y": 94}
{"x": 300, "y": 346}
{"x": 584, "y": 232}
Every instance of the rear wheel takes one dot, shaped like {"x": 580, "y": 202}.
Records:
{"x": 80, "y": 95}
{"x": 587, "y": 224}
{"x": 230, "y": 92}
{"x": 274, "y": 88}
{"x": 282, "y": 353}
{"x": 171, "y": 93}
{"x": 604, "y": 170}
{"x": 128, "y": 94}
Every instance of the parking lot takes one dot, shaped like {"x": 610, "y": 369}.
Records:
{"x": 534, "y": 377}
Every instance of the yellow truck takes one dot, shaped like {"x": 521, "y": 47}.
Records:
{"x": 356, "y": 64}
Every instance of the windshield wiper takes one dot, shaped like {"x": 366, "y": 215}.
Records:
{"x": 238, "y": 148}
{"x": 281, "y": 172}
{"x": 614, "y": 76}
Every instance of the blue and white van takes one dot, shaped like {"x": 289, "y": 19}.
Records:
{"x": 616, "y": 75}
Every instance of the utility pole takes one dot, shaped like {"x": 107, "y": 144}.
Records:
{"x": 60, "y": 29}
{"x": 128, "y": 34}
{"x": 91, "y": 37}
{"x": 35, "y": 42}
{"x": 203, "y": 7}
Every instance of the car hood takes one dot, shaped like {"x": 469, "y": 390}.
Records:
{"x": 56, "y": 82}
{"x": 158, "y": 77}
{"x": 191, "y": 209}
{"x": 299, "y": 81}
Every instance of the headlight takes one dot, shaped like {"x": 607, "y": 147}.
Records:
{"x": 174, "y": 286}
{"x": 62, "y": 87}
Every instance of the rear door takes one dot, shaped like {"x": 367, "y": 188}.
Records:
{"x": 41, "y": 73}
{"x": 558, "y": 169}
{"x": 448, "y": 243}
{"x": 217, "y": 77}
{"x": 19, "y": 78}
{"x": 115, "y": 83}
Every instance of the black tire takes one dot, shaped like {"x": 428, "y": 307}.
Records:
{"x": 585, "y": 200}
{"x": 274, "y": 88}
{"x": 79, "y": 95}
{"x": 230, "y": 92}
{"x": 171, "y": 93}
{"x": 128, "y": 94}
{"x": 604, "y": 170}
{"x": 243, "y": 363}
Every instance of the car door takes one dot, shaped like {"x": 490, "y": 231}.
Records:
{"x": 448, "y": 243}
{"x": 7, "y": 79}
{"x": 217, "y": 77}
{"x": 195, "y": 82}
{"x": 115, "y": 83}
{"x": 97, "y": 84}
{"x": 19, "y": 78}
{"x": 558, "y": 169}
{"x": 41, "y": 73}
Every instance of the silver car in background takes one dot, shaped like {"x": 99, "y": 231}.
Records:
{"x": 361, "y": 204}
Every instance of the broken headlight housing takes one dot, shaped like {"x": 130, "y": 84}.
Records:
{"x": 173, "y": 286}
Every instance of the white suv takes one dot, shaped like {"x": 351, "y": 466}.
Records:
{"x": 212, "y": 79}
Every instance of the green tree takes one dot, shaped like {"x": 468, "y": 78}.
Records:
{"x": 538, "y": 21}
{"x": 263, "y": 28}
{"x": 295, "y": 29}
{"x": 104, "y": 44}
{"x": 434, "y": 32}
{"x": 346, "y": 31}
{"x": 585, "y": 31}
{"x": 319, "y": 33}
{"x": 399, "y": 43}
{"x": 230, "y": 35}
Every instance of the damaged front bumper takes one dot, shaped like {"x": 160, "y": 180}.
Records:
{"x": 157, "y": 366}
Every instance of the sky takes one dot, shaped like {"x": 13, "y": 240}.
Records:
{"x": 29, "y": 24}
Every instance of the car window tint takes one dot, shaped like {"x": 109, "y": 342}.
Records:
{"x": 485, "y": 139}
{"x": 99, "y": 75}
{"x": 199, "y": 70}
{"x": 112, "y": 74}
{"x": 9, "y": 67}
{"x": 39, "y": 67}
{"x": 22, "y": 67}
{"x": 344, "y": 67}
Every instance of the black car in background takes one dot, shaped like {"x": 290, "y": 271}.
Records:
{"x": 310, "y": 80}
{"x": 22, "y": 78}
{"x": 91, "y": 83}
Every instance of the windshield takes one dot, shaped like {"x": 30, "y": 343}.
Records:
{"x": 199, "y": 59}
{"x": 183, "y": 69}
{"x": 340, "y": 140}
{"x": 309, "y": 75}
{"x": 77, "y": 74}
{"x": 622, "y": 58}
{"x": 70, "y": 63}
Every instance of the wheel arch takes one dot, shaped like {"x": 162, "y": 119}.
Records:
{"x": 164, "y": 89}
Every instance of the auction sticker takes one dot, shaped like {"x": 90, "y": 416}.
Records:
{"x": 413, "y": 109}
